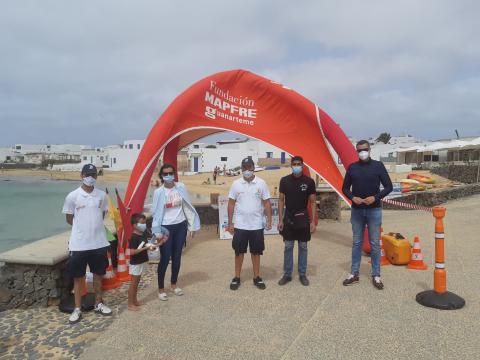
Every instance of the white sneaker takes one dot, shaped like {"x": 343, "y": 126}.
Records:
{"x": 75, "y": 316}
{"x": 177, "y": 291}
{"x": 163, "y": 296}
{"x": 103, "y": 309}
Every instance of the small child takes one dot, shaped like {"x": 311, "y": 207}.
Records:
{"x": 138, "y": 256}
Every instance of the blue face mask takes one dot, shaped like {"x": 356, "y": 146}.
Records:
{"x": 168, "y": 178}
{"x": 141, "y": 227}
{"x": 297, "y": 169}
{"x": 247, "y": 174}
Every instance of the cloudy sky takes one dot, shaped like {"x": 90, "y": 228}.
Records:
{"x": 98, "y": 72}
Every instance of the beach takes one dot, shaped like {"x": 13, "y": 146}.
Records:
{"x": 197, "y": 183}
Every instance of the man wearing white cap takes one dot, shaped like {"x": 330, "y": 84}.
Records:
{"x": 249, "y": 199}
{"x": 85, "y": 210}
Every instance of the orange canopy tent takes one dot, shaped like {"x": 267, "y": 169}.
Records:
{"x": 242, "y": 102}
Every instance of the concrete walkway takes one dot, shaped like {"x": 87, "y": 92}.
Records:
{"x": 322, "y": 321}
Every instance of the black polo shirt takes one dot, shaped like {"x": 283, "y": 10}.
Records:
{"x": 296, "y": 191}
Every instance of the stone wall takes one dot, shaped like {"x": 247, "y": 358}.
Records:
{"x": 208, "y": 214}
{"x": 23, "y": 285}
{"x": 329, "y": 205}
{"x": 466, "y": 174}
{"x": 431, "y": 198}
{"x": 329, "y": 208}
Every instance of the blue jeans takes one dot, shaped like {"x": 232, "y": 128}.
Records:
{"x": 288, "y": 257}
{"x": 172, "y": 249}
{"x": 372, "y": 218}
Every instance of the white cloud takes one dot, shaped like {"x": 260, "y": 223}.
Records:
{"x": 99, "y": 72}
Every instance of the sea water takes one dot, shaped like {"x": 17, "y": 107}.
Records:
{"x": 31, "y": 208}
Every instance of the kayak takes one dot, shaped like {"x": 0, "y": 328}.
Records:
{"x": 409, "y": 181}
{"x": 412, "y": 187}
{"x": 422, "y": 178}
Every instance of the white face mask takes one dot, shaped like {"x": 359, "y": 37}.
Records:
{"x": 89, "y": 181}
{"x": 247, "y": 174}
{"x": 141, "y": 227}
{"x": 363, "y": 155}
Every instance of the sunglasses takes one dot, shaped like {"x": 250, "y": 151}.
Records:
{"x": 359, "y": 150}
{"x": 167, "y": 173}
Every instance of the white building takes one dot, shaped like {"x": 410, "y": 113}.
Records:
{"x": 34, "y": 158}
{"x": 229, "y": 153}
{"x": 5, "y": 154}
{"x": 123, "y": 157}
{"x": 464, "y": 150}
{"x": 30, "y": 148}
{"x": 388, "y": 152}
{"x": 95, "y": 156}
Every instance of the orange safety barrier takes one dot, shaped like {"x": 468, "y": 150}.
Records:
{"x": 416, "y": 261}
{"x": 439, "y": 297}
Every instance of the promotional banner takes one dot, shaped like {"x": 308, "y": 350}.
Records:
{"x": 223, "y": 218}
{"x": 274, "y": 230}
{"x": 245, "y": 103}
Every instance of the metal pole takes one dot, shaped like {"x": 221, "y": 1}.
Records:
{"x": 439, "y": 297}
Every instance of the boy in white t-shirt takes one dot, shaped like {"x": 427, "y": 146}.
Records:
{"x": 249, "y": 198}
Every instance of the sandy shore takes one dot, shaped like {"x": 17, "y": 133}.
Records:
{"x": 198, "y": 183}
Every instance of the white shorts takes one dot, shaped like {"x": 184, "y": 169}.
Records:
{"x": 138, "y": 269}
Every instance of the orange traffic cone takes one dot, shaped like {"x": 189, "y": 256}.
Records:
{"x": 127, "y": 255}
{"x": 416, "y": 261}
{"x": 109, "y": 280}
{"x": 83, "y": 289}
{"x": 383, "y": 258}
{"x": 366, "y": 243}
{"x": 122, "y": 268}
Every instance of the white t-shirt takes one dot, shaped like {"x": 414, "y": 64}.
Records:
{"x": 173, "y": 207}
{"x": 88, "y": 231}
{"x": 249, "y": 196}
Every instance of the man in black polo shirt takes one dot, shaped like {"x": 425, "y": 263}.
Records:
{"x": 294, "y": 224}
{"x": 362, "y": 186}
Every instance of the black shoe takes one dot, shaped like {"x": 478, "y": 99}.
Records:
{"x": 258, "y": 282}
{"x": 235, "y": 283}
{"x": 304, "y": 280}
{"x": 377, "y": 282}
{"x": 351, "y": 279}
{"x": 285, "y": 279}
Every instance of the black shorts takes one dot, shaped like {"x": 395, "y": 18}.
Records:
{"x": 96, "y": 260}
{"x": 248, "y": 238}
